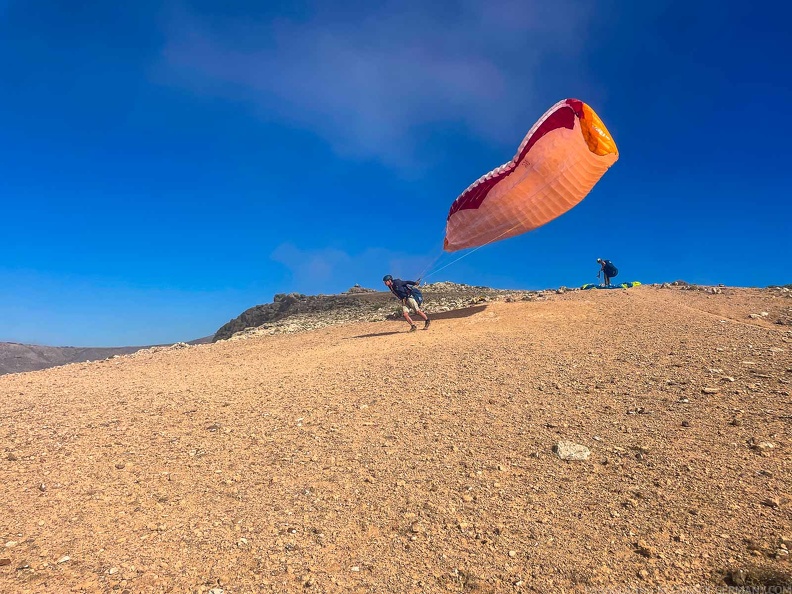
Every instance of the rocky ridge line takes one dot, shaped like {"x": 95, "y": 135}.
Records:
{"x": 295, "y": 312}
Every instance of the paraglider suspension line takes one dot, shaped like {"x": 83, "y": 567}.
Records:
{"x": 466, "y": 254}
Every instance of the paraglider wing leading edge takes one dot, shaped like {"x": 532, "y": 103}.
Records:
{"x": 558, "y": 163}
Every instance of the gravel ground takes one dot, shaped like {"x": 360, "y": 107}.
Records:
{"x": 359, "y": 457}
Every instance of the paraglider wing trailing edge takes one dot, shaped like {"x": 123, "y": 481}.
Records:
{"x": 560, "y": 160}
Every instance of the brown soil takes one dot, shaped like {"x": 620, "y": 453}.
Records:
{"x": 362, "y": 458}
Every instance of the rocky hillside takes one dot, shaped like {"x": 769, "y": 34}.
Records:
{"x": 291, "y": 312}
{"x": 295, "y": 312}
{"x": 287, "y": 313}
{"x": 585, "y": 441}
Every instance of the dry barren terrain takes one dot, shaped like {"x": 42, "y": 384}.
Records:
{"x": 362, "y": 458}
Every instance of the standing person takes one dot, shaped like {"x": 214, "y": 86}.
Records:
{"x": 607, "y": 269}
{"x": 401, "y": 289}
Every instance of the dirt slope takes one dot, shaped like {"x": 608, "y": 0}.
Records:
{"x": 361, "y": 458}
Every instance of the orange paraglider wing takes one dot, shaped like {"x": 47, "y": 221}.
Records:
{"x": 561, "y": 158}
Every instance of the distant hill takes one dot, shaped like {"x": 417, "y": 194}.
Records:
{"x": 17, "y": 358}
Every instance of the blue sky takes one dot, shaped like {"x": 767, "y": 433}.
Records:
{"x": 166, "y": 165}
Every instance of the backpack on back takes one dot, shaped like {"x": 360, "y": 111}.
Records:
{"x": 610, "y": 269}
{"x": 416, "y": 294}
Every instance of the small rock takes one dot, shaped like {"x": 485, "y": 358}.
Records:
{"x": 4, "y": 562}
{"x": 568, "y": 450}
{"x": 773, "y": 502}
{"x": 686, "y": 423}
{"x": 64, "y": 559}
{"x": 11, "y": 543}
{"x": 42, "y": 487}
{"x": 12, "y": 457}
{"x": 645, "y": 549}
{"x": 120, "y": 465}
{"x": 710, "y": 390}
{"x": 639, "y": 411}
{"x": 763, "y": 447}
{"x": 738, "y": 577}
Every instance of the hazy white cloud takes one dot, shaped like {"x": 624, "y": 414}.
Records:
{"x": 366, "y": 84}
{"x": 311, "y": 267}
{"x": 334, "y": 270}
